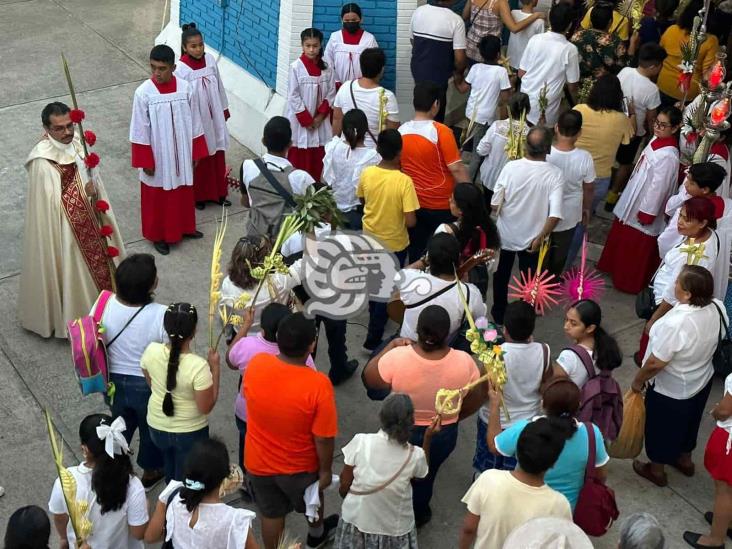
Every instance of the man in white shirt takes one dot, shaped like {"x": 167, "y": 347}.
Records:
{"x": 640, "y": 89}
{"x": 378, "y": 104}
{"x": 438, "y": 47}
{"x": 267, "y": 202}
{"x": 578, "y": 169}
{"x": 528, "y": 202}
{"x": 550, "y": 60}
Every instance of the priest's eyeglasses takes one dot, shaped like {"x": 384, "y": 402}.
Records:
{"x": 661, "y": 125}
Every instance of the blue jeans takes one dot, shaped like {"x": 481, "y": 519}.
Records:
{"x": 575, "y": 245}
{"x": 443, "y": 443}
{"x": 241, "y": 426}
{"x": 354, "y": 219}
{"x": 175, "y": 448}
{"x": 484, "y": 459}
{"x": 602, "y": 184}
{"x": 420, "y": 234}
{"x": 130, "y": 403}
{"x": 377, "y": 311}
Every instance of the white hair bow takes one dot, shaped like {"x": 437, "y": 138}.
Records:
{"x": 113, "y": 437}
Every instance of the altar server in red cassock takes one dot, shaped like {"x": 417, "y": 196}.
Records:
{"x": 167, "y": 140}
{"x": 200, "y": 70}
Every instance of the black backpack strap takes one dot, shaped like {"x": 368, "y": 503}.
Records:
{"x": 355, "y": 106}
{"x": 125, "y": 326}
{"x": 284, "y": 193}
{"x": 586, "y": 359}
{"x": 430, "y": 297}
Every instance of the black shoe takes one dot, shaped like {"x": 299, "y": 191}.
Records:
{"x": 194, "y": 235}
{"x": 609, "y": 207}
{"x": 224, "y": 202}
{"x": 162, "y": 247}
{"x": 692, "y": 539}
{"x": 329, "y": 525}
{"x": 708, "y": 516}
{"x": 200, "y": 205}
{"x": 370, "y": 345}
{"x": 421, "y": 520}
{"x": 342, "y": 374}
{"x": 149, "y": 482}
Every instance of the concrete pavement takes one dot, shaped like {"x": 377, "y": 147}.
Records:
{"x": 106, "y": 43}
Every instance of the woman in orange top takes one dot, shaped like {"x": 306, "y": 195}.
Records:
{"x": 672, "y": 40}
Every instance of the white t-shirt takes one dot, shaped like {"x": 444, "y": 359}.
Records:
{"x": 727, "y": 423}
{"x": 375, "y": 459}
{"x": 517, "y": 40}
{"x": 643, "y": 92}
{"x": 525, "y": 363}
{"x": 549, "y": 59}
{"x": 415, "y": 286}
{"x": 368, "y": 100}
{"x": 527, "y": 191}
{"x": 493, "y": 147}
{"x": 110, "y": 530}
{"x": 572, "y": 364}
{"x": 578, "y": 168}
{"x": 686, "y": 338}
{"x": 219, "y": 526}
{"x": 342, "y": 167}
{"x": 299, "y": 180}
{"x": 486, "y": 83}
{"x": 147, "y": 327}
{"x": 502, "y": 502}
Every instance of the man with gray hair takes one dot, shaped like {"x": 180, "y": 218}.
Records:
{"x": 528, "y": 201}
{"x": 641, "y": 531}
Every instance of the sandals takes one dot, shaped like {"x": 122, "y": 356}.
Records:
{"x": 644, "y": 470}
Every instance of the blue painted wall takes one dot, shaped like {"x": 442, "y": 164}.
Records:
{"x": 245, "y": 31}
{"x": 379, "y": 18}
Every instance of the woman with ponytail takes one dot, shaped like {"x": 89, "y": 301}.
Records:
{"x": 190, "y": 514}
{"x": 184, "y": 387}
{"x": 346, "y": 157}
{"x": 582, "y": 326}
{"x": 105, "y": 481}
{"x": 560, "y": 404}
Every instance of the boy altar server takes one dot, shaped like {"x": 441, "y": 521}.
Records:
{"x": 167, "y": 139}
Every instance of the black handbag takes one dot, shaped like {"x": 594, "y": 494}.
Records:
{"x": 722, "y": 358}
{"x": 645, "y": 303}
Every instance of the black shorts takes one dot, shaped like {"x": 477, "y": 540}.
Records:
{"x": 626, "y": 153}
{"x": 278, "y": 495}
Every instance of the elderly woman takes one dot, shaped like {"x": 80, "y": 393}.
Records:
{"x": 420, "y": 369}
{"x": 678, "y": 362}
{"x": 377, "y": 506}
{"x": 641, "y": 531}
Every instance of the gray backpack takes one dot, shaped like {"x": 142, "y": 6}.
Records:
{"x": 271, "y": 196}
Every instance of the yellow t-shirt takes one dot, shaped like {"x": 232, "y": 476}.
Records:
{"x": 194, "y": 374}
{"x": 602, "y": 133}
{"x": 388, "y": 195}
{"x": 668, "y": 78}
{"x": 619, "y": 26}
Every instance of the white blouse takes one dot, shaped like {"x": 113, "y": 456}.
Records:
{"x": 685, "y": 337}
{"x": 342, "y": 167}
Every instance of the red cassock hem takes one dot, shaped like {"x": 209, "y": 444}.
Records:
{"x": 200, "y": 148}
{"x": 142, "y": 156}
{"x": 630, "y": 257}
{"x": 645, "y": 218}
{"x": 310, "y": 160}
{"x": 209, "y": 178}
{"x": 167, "y": 215}
{"x": 305, "y": 118}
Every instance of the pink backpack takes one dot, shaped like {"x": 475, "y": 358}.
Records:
{"x": 88, "y": 351}
{"x": 601, "y": 400}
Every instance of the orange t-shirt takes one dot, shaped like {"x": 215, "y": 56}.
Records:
{"x": 287, "y": 406}
{"x": 428, "y": 148}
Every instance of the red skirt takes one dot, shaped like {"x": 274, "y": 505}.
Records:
{"x": 630, "y": 257}
{"x": 310, "y": 160}
{"x": 716, "y": 458}
{"x": 167, "y": 215}
{"x": 209, "y": 178}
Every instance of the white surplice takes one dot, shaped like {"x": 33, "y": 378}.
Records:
{"x": 212, "y": 101}
{"x": 345, "y": 59}
{"x": 652, "y": 183}
{"x": 56, "y": 284}
{"x": 167, "y": 122}
{"x": 307, "y": 93}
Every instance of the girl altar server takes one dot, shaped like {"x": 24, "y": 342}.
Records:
{"x": 310, "y": 94}
{"x": 344, "y": 48}
{"x": 631, "y": 255}
{"x": 199, "y": 68}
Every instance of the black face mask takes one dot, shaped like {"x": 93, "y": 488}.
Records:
{"x": 351, "y": 27}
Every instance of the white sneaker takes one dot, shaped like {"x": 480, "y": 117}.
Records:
{"x": 2, "y": 491}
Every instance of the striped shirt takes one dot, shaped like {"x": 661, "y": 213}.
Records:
{"x": 435, "y": 32}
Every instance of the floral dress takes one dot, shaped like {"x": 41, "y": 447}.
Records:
{"x": 599, "y": 53}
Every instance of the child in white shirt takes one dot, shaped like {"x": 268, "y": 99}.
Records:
{"x": 518, "y": 40}
{"x": 489, "y": 88}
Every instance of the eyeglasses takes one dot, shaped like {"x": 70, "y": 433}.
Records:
{"x": 67, "y": 127}
{"x": 661, "y": 125}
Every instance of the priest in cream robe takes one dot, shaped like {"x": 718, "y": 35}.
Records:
{"x": 71, "y": 239}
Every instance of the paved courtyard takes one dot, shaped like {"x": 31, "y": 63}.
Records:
{"x": 106, "y": 43}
